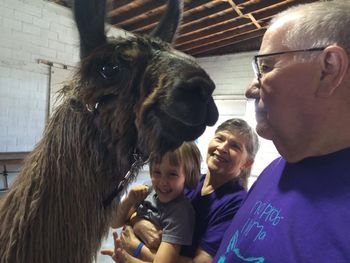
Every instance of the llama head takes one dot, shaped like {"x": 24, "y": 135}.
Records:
{"x": 147, "y": 93}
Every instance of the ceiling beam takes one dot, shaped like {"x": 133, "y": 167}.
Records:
{"x": 255, "y": 33}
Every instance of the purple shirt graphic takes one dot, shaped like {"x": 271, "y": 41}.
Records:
{"x": 296, "y": 212}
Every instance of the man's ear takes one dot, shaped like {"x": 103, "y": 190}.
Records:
{"x": 334, "y": 64}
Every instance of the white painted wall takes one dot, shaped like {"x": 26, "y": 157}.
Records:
{"x": 30, "y": 30}
{"x": 232, "y": 74}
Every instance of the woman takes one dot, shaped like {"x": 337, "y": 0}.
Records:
{"x": 216, "y": 198}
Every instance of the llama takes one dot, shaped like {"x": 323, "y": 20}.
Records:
{"x": 132, "y": 94}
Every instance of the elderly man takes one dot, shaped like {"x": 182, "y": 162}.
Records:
{"x": 298, "y": 209}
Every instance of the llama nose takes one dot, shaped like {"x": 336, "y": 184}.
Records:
{"x": 212, "y": 112}
{"x": 191, "y": 103}
{"x": 199, "y": 85}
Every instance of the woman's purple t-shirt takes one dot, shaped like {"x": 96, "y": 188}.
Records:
{"x": 214, "y": 213}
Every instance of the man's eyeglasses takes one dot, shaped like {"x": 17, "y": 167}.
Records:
{"x": 256, "y": 63}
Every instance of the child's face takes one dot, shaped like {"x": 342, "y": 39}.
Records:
{"x": 168, "y": 180}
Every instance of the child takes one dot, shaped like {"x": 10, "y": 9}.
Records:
{"x": 164, "y": 204}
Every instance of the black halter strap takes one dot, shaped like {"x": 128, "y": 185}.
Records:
{"x": 132, "y": 173}
{"x": 135, "y": 167}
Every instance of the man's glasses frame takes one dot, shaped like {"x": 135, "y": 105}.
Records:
{"x": 256, "y": 67}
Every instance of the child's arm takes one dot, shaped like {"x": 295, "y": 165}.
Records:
{"x": 167, "y": 253}
{"x": 130, "y": 243}
{"x": 148, "y": 232}
{"x": 127, "y": 207}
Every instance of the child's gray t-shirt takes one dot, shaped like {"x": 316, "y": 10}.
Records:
{"x": 176, "y": 218}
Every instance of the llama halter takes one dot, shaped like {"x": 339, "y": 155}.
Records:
{"x": 135, "y": 167}
{"x": 93, "y": 108}
{"x": 132, "y": 173}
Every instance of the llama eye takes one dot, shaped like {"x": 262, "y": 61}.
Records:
{"x": 109, "y": 71}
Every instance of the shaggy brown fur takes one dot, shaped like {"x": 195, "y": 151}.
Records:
{"x": 151, "y": 98}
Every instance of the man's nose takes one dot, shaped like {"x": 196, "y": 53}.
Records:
{"x": 253, "y": 90}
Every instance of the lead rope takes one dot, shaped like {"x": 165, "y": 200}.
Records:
{"x": 132, "y": 173}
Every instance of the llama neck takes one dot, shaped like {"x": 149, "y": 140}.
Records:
{"x": 60, "y": 192}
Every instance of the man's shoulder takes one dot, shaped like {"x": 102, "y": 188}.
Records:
{"x": 270, "y": 173}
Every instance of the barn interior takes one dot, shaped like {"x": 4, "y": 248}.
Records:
{"x": 39, "y": 50}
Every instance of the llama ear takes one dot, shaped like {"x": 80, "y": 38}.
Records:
{"x": 89, "y": 17}
{"x": 168, "y": 25}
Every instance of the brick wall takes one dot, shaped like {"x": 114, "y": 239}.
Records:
{"x": 30, "y": 30}
{"x": 231, "y": 73}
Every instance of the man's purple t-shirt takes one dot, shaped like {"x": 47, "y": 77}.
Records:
{"x": 214, "y": 213}
{"x": 296, "y": 212}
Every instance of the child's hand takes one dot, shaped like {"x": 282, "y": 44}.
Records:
{"x": 138, "y": 193}
{"x": 116, "y": 252}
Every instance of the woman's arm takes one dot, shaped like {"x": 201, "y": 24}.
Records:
{"x": 126, "y": 207}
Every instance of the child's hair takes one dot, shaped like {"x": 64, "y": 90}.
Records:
{"x": 187, "y": 155}
{"x": 242, "y": 128}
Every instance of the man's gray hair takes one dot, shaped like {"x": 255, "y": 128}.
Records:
{"x": 318, "y": 24}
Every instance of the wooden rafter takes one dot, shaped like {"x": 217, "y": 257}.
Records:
{"x": 208, "y": 27}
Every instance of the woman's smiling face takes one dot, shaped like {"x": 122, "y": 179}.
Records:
{"x": 227, "y": 154}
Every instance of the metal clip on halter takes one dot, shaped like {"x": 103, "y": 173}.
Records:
{"x": 92, "y": 108}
